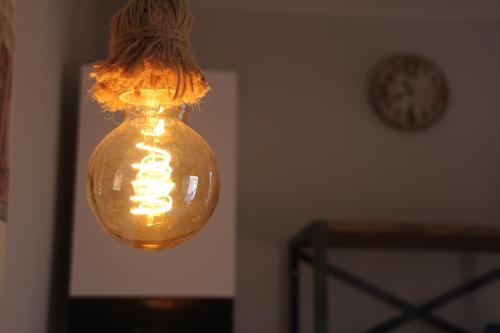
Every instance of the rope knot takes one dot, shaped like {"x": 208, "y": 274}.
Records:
{"x": 150, "y": 48}
{"x": 149, "y": 35}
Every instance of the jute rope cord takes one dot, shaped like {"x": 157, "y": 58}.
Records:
{"x": 150, "y": 48}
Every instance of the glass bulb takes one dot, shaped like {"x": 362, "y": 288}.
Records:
{"x": 153, "y": 182}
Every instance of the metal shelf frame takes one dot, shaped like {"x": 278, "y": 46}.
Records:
{"x": 312, "y": 244}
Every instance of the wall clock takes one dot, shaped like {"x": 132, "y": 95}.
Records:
{"x": 408, "y": 92}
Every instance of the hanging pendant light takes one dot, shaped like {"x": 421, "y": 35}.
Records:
{"x": 153, "y": 182}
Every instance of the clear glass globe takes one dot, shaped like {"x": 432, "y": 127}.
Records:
{"x": 153, "y": 182}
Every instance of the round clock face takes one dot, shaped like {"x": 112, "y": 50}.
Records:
{"x": 408, "y": 92}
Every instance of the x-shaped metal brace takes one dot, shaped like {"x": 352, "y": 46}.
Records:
{"x": 410, "y": 311}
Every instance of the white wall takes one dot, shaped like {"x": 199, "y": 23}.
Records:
{"x": 202, "y": 267}
{"x": 41, "y": 28}
{"x": 310, "y": 146}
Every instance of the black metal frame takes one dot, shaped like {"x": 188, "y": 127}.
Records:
{"x": 317, "y": 235}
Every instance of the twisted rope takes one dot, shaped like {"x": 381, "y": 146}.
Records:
{"x": 150, "y": 48}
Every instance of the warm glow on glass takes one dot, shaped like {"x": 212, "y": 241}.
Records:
{"x": 153, "y": 182}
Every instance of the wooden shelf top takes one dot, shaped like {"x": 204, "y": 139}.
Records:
{"x": 402, "y": 235}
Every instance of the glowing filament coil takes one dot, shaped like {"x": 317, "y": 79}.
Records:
{"x": 153, "y": 183}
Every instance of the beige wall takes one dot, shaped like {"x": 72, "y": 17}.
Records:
{"x": 310, "y": 147}
{"x": 41, "y": 31}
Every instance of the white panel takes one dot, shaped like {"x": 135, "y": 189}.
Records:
{"x": 202, "y": 267}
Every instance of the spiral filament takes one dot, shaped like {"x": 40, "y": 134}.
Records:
{"x": 153, "y": 183}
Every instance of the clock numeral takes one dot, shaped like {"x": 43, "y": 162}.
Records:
{"x": 436, "y": 81}
{"x": 411, "y": 117}
{"x": 424, "y": 115}
{"x": 436, "y": 105}
{"x": 382, "y": 90}
{"x": 411, "y": 69}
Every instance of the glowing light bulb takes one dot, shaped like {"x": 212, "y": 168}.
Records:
{"x": 153, "y": 182}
